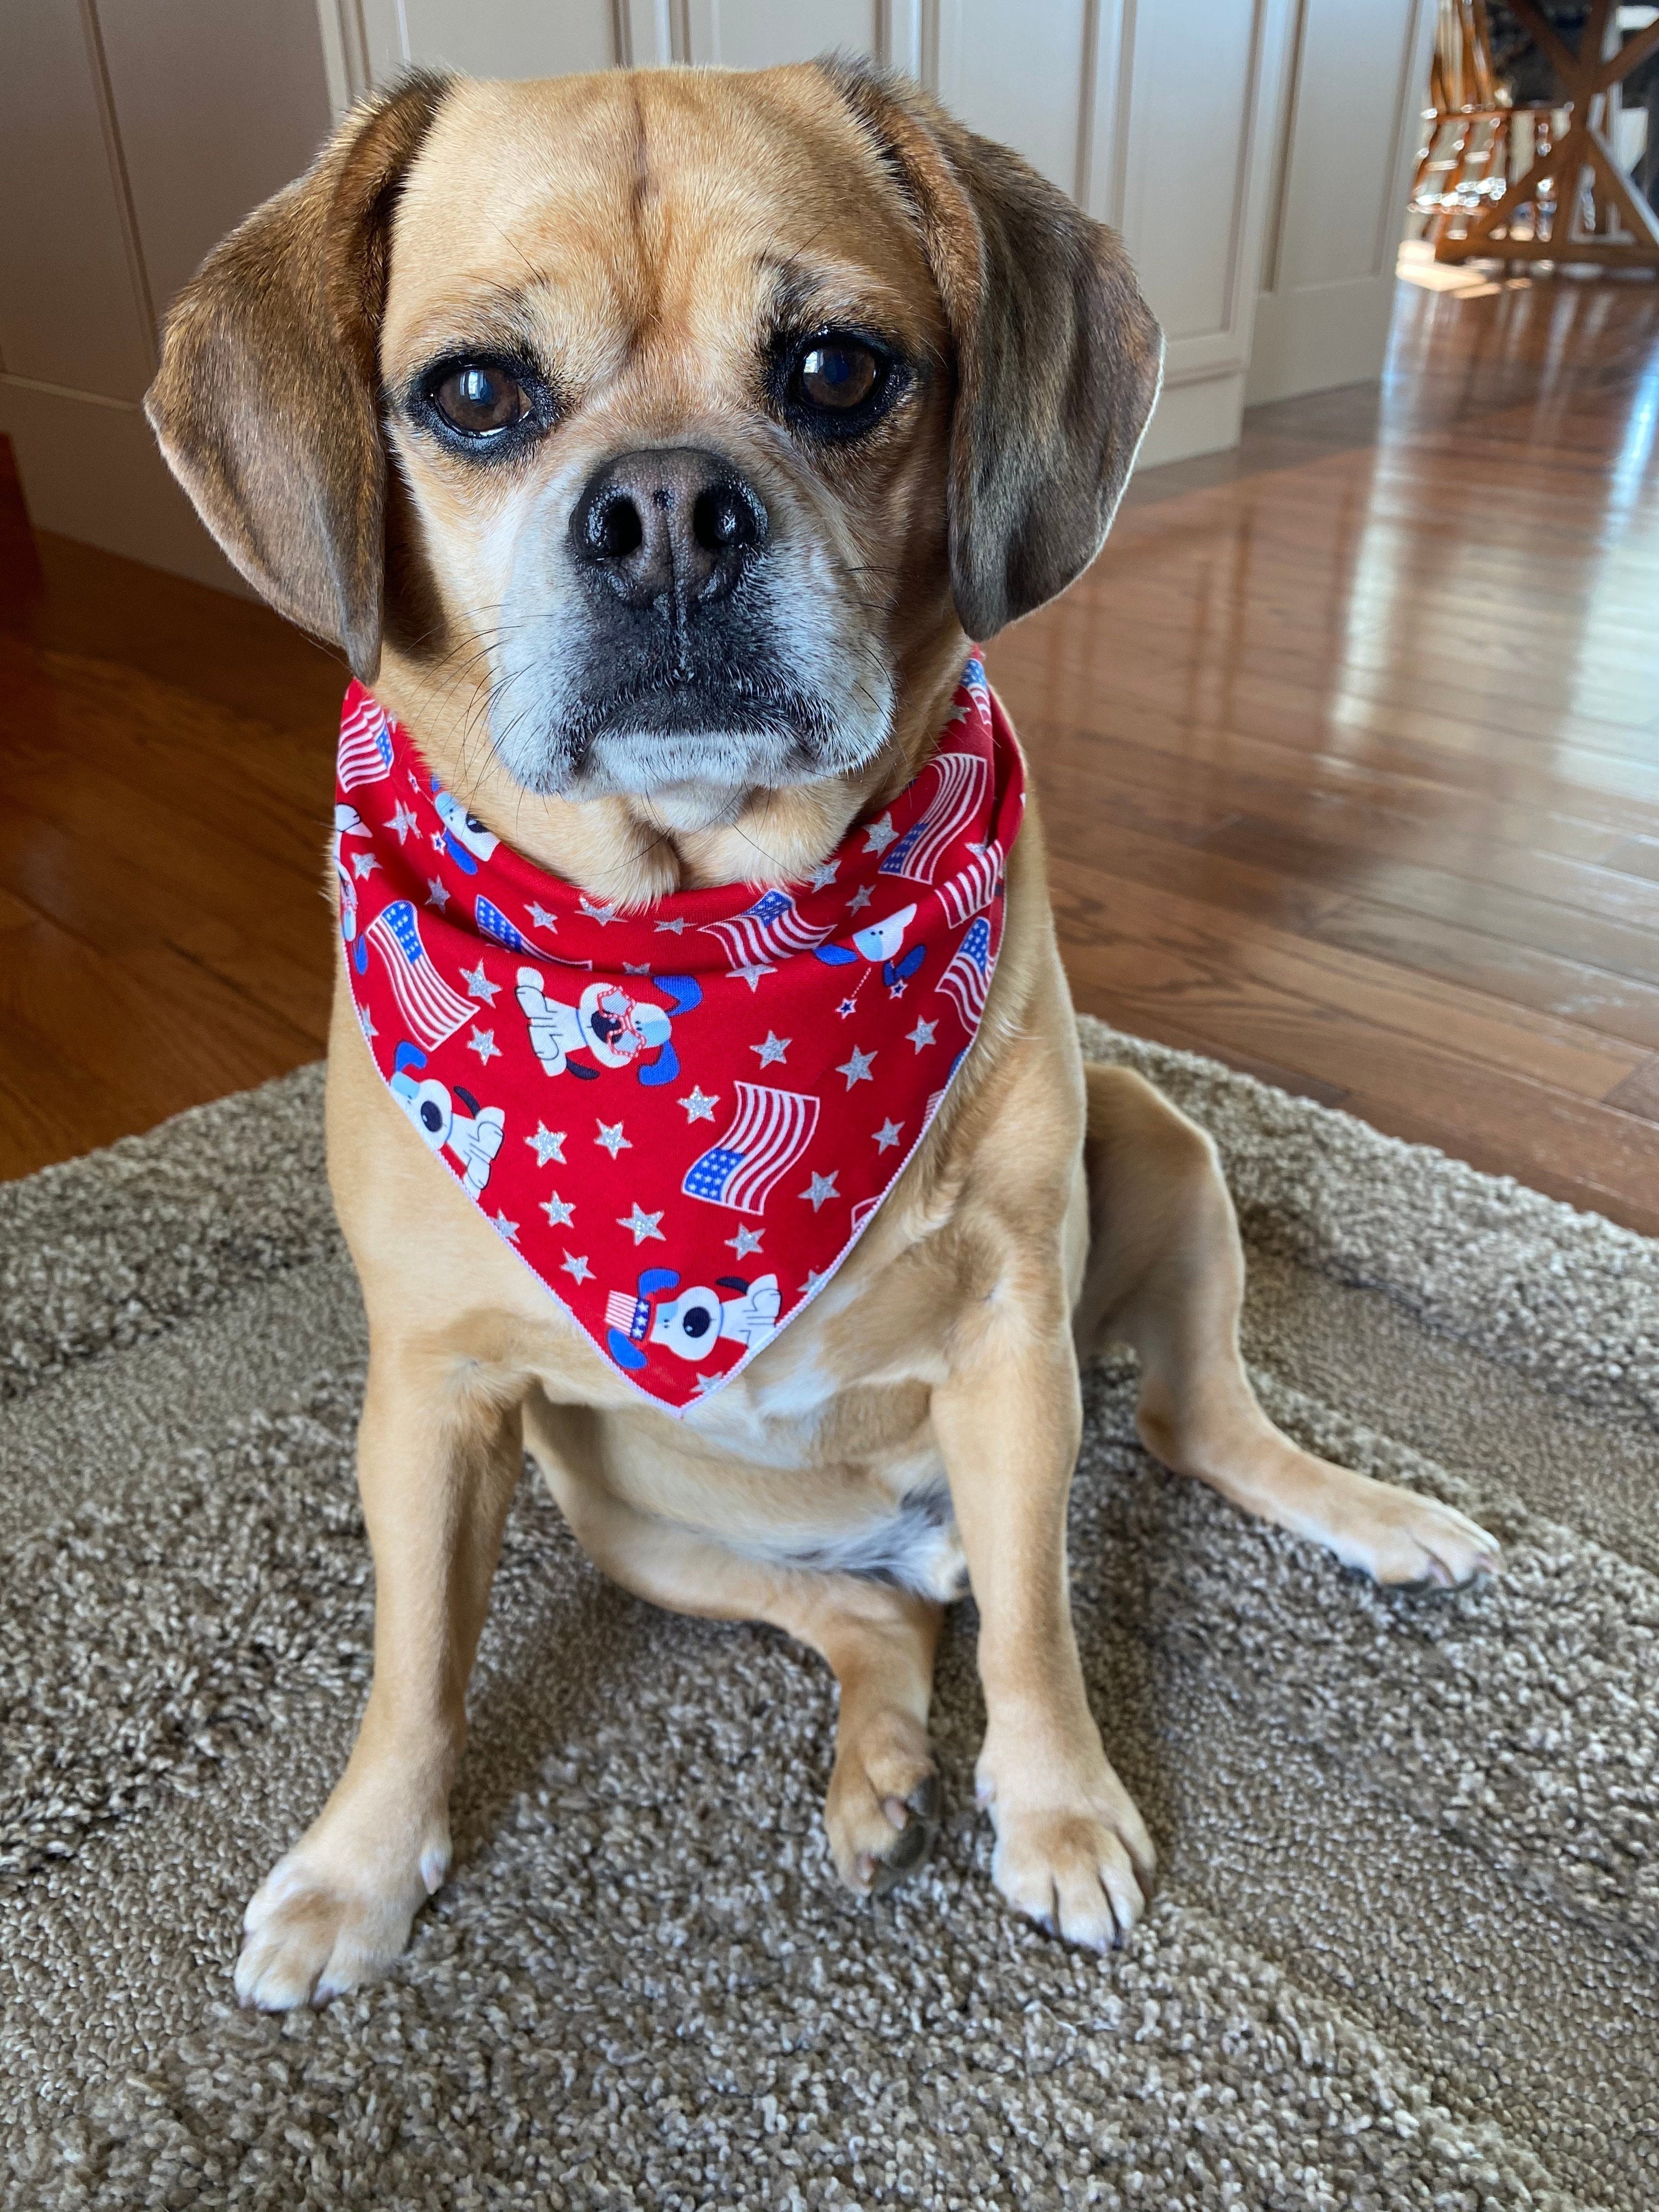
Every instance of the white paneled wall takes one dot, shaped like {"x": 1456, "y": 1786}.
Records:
{"x": 1357, "y": 76}
{"x": 1251, "y": 151}
{"x": 133, "y": 134}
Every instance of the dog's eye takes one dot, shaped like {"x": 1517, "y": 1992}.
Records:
{"x": 838, "y": 375}
{"x": 836, "y": 384}
{"x": 481, "y": 399}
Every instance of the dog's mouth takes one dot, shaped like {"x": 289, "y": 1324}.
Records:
{"x": 678, "y": 703}
{"x": 644, "y": 729}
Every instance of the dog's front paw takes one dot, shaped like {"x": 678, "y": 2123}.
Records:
{"x": 1082, "y": 1869}
{"x": 883, "y": 1808}
{"x": 1399, "y": 1536}
{"x": 327, "y": 1917}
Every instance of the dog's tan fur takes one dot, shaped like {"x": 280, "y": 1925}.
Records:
{"x": 627, "y": 226}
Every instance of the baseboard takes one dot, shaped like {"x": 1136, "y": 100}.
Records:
{"x": 1200, "y": 417}
{"x": 1319, "y": 337}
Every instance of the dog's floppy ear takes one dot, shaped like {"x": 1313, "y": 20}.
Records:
{"x": 1057, "y": 357}
{"x": 267, "y": 401}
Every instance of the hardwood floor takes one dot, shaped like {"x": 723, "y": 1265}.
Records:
{"x": 1348, "y": 747}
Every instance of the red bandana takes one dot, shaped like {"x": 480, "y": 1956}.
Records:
{"x": 682, "y": 1118}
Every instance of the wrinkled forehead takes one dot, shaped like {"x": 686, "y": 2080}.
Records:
{"x": 611, "y": 219}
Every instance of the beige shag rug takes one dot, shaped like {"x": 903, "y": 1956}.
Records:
{"x": 1406, "y": 1951}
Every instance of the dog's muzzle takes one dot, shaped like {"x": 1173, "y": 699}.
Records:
{"x": 669, "y": 631}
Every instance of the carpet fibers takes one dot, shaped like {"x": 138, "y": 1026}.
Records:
{"x": 1405, "y": 1952}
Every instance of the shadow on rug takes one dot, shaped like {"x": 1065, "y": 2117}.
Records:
{"x": 1406, "y": 1948}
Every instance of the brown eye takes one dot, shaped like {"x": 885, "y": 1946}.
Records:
{"x": 838, "y": 374}
{"x": 479, "y": 400}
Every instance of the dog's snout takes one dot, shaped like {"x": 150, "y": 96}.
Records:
{"x": 671, "y": 527}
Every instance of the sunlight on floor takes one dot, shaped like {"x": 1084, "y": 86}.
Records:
{"x": 1471, "y": 280}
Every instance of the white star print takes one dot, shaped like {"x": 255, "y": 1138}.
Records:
{"x": 888, "y": 1134}
{"x": 878, "y": 836}
{"x": 576, "y": 1266}
{"x": 678, "y": 925}
{"x": 823, "y": 1187}
{"x": 478, "y": 985}
{"x": 367, "y": 1025}
{"x": 814, "y": 1283}
{"x": 558, "y": 1211}
{"x": 773, "y": 1048}
{"x": 823, "y": 874}
{"x": 541, "y": 919}
{"x": 436, "y": 893}
{"x": 699, "y": 1106}
{"x": 504, "y": 1228}
{"x": 861, "y": 899}
{"x": 707, "y": 1383}
{"x": 745, "y": 1241}
{"x": 605, "y": 915}
{"x": 922, "y": 1034}
{"x": 628, "y": 969}
{"x": 857, "y": 1070}
{"x": 405, "y": 820}
{"x": 483, "y": 1041}
{"x": 642, "y": 1224}
{"x": 956, "y": 715}
{"x": 547, "y": 1145}
{"x": 752, "y": 972}
{"x": 611, "y": 1136}
{"x": 364, "y": 864}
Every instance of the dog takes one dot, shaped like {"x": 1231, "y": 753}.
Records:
{"x": 654, "y": 444}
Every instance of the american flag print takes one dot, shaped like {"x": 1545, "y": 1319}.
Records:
{"x": 365, "y": 754}
{"x": 963, "y": 782}
{"x": 629, "y": 1313}
{"x": 693, "y": 1162}
{"x": 768, "y": 931}
{"x": 431, "y": 1010}
{"x": 971, "y": 889}
{"x": 968, "y": 975}
{"x": 494, "y": 924}
{"x": 769, "y": 1131}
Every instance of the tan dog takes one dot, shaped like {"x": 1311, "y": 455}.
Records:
{"x": 389, "y": 393}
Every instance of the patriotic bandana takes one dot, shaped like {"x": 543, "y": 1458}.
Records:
{"x": 681, "y": 1118}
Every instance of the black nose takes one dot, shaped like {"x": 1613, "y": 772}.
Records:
{"x": 670, "y": 527}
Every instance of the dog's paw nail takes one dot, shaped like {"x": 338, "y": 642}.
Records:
{"x": 926, "y": 1800}
{"x": 910, "y": 1849}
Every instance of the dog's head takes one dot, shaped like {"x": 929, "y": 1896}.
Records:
{"x": 674, "y": 426}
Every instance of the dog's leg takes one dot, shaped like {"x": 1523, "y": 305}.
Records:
{"x": 1166, "y": 1276}
{"x": 437, "y": 1460}
{"x": 882, "y": 1809}
{"x": 1071, "y": 1851}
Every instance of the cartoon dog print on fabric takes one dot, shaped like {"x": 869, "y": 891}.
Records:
{"x": 619, "y": 1028}
{"x": 879, "y": 943}
{"x": 465, "y": 839}
{"x": 474, "y": 1137}
{"x": 690, "y": 1322}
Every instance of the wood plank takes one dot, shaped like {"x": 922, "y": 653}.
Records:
{"x": 1250, "y": 777}
{"x": 1590, "y": 998}
{"x": 1613, "y": 1155}
{"x": 1627, "y": 946}
{"x": 1189, "y": 947}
